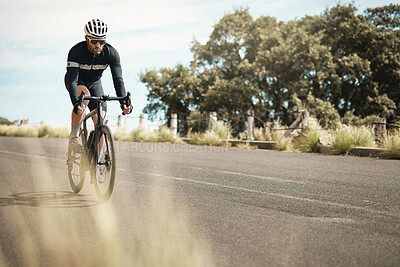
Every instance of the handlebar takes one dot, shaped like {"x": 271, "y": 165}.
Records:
{"x": 105, "y": 98}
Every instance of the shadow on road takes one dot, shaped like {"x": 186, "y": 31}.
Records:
{"x": 49, "y": 199}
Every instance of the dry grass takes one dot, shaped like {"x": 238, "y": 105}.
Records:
{"x": 44, "y": 131}
{"x": 217, "y": 137}
{"x": 391, "y": 144}
{"x": 163, "y": 135}
{"x": 285, "y": 144}
{"x": 245, "y": 146}
{"x": 346, "y": 138}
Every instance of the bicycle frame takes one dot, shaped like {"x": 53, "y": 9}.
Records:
{"x": 100, "y": 120}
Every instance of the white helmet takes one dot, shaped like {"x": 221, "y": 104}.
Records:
{"x": 96, "y": 28}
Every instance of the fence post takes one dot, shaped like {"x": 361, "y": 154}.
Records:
{"x": 250, "y": 123}
{"x": 174, "y": 124}
{"x": 211, "y": 120}
{"x": 293, "y": 126}
{"x": 304, "y": 123}
{"x": 141, "y": 121}
{"x": 119, "y": 123}
{"x": 381, "y": 129}
{"x": 24, "y": 121}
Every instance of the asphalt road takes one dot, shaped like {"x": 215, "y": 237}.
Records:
{"x": 180, "y": 205}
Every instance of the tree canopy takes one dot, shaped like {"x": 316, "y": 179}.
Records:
{"x": 339, "y": 60}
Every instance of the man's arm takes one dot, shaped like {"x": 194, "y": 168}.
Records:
{"x": 71, "y": 83}
{"x": 116, "y": 72}
{"x": 72, "y": 76}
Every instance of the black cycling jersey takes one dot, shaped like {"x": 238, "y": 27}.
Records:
{"x": 88, "y": 68}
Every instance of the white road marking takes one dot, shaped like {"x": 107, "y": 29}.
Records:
{"x": 275, "y": 179}
{"x": 322, "y": 202}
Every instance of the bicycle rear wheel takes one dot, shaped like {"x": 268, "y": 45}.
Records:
{"x": 105, "y": 164}
{"x": 76, "y": 167}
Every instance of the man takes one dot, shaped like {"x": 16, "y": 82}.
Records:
{"x": 85, "y": 65}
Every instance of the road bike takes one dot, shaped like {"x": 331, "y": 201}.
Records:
{"x": 97, "y": 154}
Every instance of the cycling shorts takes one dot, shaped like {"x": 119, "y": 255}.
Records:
{"x": 95, "y": 89}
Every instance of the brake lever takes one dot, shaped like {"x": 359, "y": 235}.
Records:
{"x": 128, "y": 101}
{"x": 81, "y": 98}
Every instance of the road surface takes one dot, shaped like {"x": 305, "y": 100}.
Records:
{"x": 180, "y": 205}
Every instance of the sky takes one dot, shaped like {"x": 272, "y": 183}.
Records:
{"x": 36, "y": 35}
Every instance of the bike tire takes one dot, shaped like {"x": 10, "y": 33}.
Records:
{"x": 76, "y": 168}
{"x": 104, "y": 168}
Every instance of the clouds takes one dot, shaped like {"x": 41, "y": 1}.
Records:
{"x": 36, "y": 35}
{"x": 62, "y": 19}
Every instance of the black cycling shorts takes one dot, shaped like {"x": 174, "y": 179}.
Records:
{"x": 95, "y": 89}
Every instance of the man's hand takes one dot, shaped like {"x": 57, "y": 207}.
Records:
{"x": 79, "y": 110}
{"x": 127, "y": 110}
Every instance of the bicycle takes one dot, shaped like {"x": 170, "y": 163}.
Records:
{"x": 97, "y": 153}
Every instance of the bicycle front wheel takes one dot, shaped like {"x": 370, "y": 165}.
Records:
{"x": 105, "y": 164}
{"x": 76, "y": 167}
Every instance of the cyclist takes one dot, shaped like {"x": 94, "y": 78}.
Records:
{"x": 85, "y": 65}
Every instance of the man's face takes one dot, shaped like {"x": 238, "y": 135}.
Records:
{"x": 95, "y": 45}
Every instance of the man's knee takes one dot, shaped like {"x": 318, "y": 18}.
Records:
{"x": 87, "y": 93}
{"x": 83, "y": 88}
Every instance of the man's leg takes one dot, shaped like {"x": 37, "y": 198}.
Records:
{"x": 96, "y": 89}
{"x": 76, "y": 120}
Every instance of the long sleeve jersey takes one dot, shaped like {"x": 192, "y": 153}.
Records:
{"x": 88, "y": 67}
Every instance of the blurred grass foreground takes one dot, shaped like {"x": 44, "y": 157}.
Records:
{"x": 43, "y": 130}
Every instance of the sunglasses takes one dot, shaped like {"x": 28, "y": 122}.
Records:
{"x": 95, "y": 41}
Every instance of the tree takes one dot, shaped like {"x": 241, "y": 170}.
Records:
{"x": 224, "y": 65}
{"x": 360, "y": 51}
{"x": 385, "y": 54}
{"x": 340, "y": 61}
{"x": 171, "y": 91}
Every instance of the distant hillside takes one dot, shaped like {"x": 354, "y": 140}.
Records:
{"x": 5, "y": 121}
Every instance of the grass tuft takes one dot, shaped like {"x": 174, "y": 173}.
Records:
{"x": 164, "y": 135}
{"x": 284, "y": 144}
{"x": 308, "y": 141}
{"x": 391, "y": 145}
{"x": 224, "y": 132}
{"x": 245, "y": 146}
{"x": 343, "y": 142}
{"x": 346, "y": 138}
